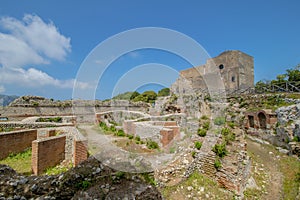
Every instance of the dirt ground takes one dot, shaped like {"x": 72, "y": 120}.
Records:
{"x": 268, "y": 163}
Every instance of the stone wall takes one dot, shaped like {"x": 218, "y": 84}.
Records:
{"x": 85, "y": 111}
{"x": 162, "y": 132}
{"x": 47, "y": 153}
{"x": 263, "y": 119}
{"x": 235, "y": 68}
{"x": 22, "y": 125}
{"x": 16, "y": 141}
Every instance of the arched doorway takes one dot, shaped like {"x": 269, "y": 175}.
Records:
{"x": 262, "y": 120}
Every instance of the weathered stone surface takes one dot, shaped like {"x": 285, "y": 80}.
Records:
{"x": 89, "y": 180}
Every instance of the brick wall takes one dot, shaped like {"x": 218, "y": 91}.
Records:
{"x": 16, "y": 141}
{"x": 47, "y": 153}
{"x": 80, "y": 151}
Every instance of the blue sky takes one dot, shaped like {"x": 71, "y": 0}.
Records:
{"x": 44, "y": 43}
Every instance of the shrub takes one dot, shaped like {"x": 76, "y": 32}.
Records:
{"x": 130, "y": 136}
{"x": 217, "y": 163}
{"x": 83, "y": 185}
{"x": 149, "y": 179}
{"x": 152, "y": 144}
{"x": 202, "y": 132}
{"x": 204, "y": 117}
{"x": 228, "y": 135}
{"x": 296, "y": 139}
{"x": 172, "y": 150}
{"x": 219, "y": 121}
{"x": 137, "y": 138}
{"x": 206, "y": 125}
{"x": 163, "y": 92}
{"x": 120, "y": 133}
{"x": 120, "y": 175}
{"x": 194, "y": 154}
{"x": 103, "y": 126}
{"x": 113, "y": 128}
{"x": 220, "y": 150}
{"x": 231, "y": 124}
{"x": 198, "y": 145}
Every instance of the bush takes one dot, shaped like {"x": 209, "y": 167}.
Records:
{"x": 83, "y": 185}
{"x": 231, "y": 124}
{"x": 163, "y": 92}
{"x": 147, "y": 96}
{"x": 137, "y": 138}
{"x": 204, "y": 117}
{"x": 202, "y": 132}
{"x": 120, "y": 133}
{"x": 130, "y": 136}
{"x": 194, "y": 154}
{"x": 113, "y": 128}
{"x": 198, "y": 145}
{"x": 296, "y": 139}
{"x": 206, "y": 125}
{"x": 217, "y": 163}
{"x": 228, "y": 135}
{"x": 220, "y": 150}
{"x": 219, "y": 121}
{"x": 152, "y": 144}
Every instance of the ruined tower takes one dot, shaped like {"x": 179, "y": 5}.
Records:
{"x": 235, "y": 68}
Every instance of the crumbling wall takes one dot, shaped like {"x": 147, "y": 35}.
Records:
{"x": 47, "y": 152}
{"x": 16, "y": 141}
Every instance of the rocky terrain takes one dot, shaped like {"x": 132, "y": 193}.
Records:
{"x": 222, "y": 163}
{"x": 89, "y": 180}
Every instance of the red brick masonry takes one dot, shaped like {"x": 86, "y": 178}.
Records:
{"x": 16, "y": 141}
{"x": 80, "y": 152}
{"x": 47, "y": 153}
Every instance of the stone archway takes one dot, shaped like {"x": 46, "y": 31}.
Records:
{"x": 262, "y": 120}
{"x": 251, "y": 121}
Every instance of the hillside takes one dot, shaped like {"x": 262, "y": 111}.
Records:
{"x": 5, "y": 100}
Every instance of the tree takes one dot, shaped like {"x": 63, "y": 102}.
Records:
{"x": 147, "y": 96}
{"x": 134, "y": 94}
{"x": 163, "y": 92}
{"x": 293, "y": 74}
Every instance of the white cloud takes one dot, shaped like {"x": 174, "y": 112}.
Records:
{"x": 30, "y": 42}
{"x": 34, "y": 78}
{"x": 42, "y": 40}
{"x": 15, "y": 53}
{"x": 2, "y": 89}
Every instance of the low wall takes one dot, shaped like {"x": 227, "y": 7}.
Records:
{"x": 35, "y": 125}
{"x": 80, "y": 151}
{"x": 16, "y": 141}
{"x": 47, "y": 153}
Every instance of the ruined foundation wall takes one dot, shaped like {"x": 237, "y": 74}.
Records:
{"x": 16, "y": 141}
{"x": 47, "y": 153}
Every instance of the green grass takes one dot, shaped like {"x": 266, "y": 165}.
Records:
{"x": 290, "y": 167}
{"x": 20, "y": 162}
{"x": 58, "y": 169}
{"x": 6, "y": 129}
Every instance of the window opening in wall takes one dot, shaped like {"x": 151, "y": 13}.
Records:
{"x": 221, "y": 66}
{"x": 233, "y": 78}
{"x": 251, "y": 121}
{"x": 262, "y": 120}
